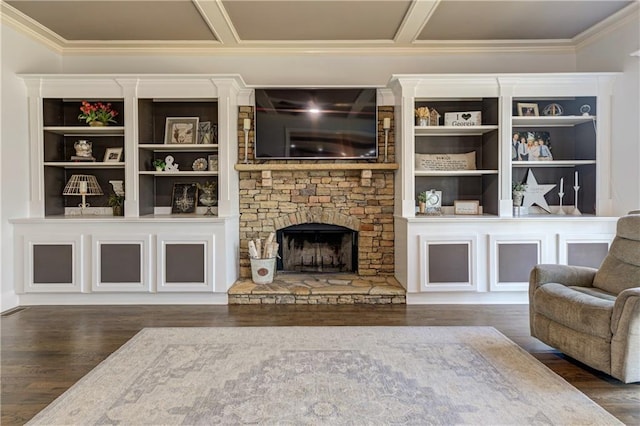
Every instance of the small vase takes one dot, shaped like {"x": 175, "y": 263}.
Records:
{"x": 422, "y": 121}
{"x": 97, "y": 124}
{"x": 422, "y": 207}
{"x": 517, "y": 198}
{"x": 117, "y": 211}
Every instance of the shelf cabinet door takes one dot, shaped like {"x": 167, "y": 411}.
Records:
{"x": 448, "y": 263}
{"x": 121, "y": 263}
{"x": 583, "y": 250}
{"x": 511, "y": 258}
{"x": 185, "y": 263}
{"x": 53, "y": 264}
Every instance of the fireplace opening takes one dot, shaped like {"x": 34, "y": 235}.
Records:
{"x": 317, "y": 247}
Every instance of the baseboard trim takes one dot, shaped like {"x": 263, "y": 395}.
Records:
{"x": 124, "y": 299}
{"x": 464, "y": 298}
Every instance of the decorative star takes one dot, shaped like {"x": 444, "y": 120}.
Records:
{"x": 534, "y": 194}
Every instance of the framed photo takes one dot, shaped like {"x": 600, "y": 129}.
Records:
{"x": 184, "y": 197}
{"x": 113, "y": 155}
{"x": 528, "y": 110}
{"x": 213, "y": 163}
{"x": 181, "y": 130}
{"x": 466, "y": 207}
{"x": 531, "y": 145}
{"x": 433, "y": 205}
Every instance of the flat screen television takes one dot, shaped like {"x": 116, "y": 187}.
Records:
{"x": 316, "y": 123}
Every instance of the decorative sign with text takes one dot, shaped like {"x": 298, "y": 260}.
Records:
{"x": 470, "y": 118}
{"x": 446, "y": 162}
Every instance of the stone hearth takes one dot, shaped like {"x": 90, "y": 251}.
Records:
{"x": 318, "y": 289}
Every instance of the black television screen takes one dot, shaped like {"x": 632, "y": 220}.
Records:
{"x": 316, "y": 123}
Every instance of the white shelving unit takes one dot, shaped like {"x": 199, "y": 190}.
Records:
{"x": 485, "y": 258}
{"x": 115, "y": 260}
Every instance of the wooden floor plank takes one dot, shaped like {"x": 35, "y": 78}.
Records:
{"x": 46, "y": 349}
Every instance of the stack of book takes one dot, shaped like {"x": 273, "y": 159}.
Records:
{"x": 78, "y": 158}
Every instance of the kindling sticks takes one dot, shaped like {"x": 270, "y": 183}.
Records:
{"x": 267, "y": 251}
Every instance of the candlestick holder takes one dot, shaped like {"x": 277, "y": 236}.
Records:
{"x": 246, "y": 127}
{"x": 386, "y": 144}
{"x": 575, "y": 211}
{"x": 561, "y": 209}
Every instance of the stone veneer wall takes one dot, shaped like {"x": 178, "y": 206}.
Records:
{"x": 361, "y": 200}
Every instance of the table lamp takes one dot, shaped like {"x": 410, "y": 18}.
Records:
{"x": 82, "y": 185}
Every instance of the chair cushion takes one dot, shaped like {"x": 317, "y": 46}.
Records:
{"x": 578, "y": 310}
{"x": 628, "y": 227}
{"x": 620, "y": 270}
{"x": 595, "y": 292}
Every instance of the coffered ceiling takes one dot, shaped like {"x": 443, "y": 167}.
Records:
{"x": 76, "y": 26}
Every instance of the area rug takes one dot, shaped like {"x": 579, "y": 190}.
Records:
{"x": 322, "y": 375}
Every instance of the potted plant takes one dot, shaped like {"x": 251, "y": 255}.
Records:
{"x": 97, "y": 114}
{"x": 518, "y": 189}
{"x": 159, "y": 164}
{"x": 422, "y": 201}
{"x": 116, "y": 202}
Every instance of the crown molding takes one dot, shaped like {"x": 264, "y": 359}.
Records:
{"x": 31, "y": 28}
{"x": 617, "y": 20}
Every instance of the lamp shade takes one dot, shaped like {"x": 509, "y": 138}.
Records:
{"x": 82, "y": 185}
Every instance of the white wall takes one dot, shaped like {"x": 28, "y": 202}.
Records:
{"x": 19, "y": 54}
{"x": 323, "y": 69}
{"x": 612, "y": 53}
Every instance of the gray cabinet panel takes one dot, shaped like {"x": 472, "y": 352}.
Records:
{"x": 52, "y": 263}
{"x": 515, "y": 262}
{"x": 448, "y": 263}
{"x": 586, "y": 254}
{"x": 185, "y": 263}
{"x": 120, "y": 263}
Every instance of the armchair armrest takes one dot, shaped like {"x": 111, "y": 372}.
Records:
{"x": 579, "y": 276}
{"x": 624, "y": 305}
{"x": 625, "y": 326}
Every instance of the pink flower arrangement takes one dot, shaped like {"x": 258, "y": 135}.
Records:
{"x": 100, "y": 112}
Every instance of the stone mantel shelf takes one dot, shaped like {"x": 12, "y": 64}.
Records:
{"x": 327, "y": 166}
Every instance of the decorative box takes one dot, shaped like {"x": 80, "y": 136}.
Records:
{"x": 468, "y": 118}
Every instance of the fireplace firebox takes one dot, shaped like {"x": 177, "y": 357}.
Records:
{"x": 317, "y": 247}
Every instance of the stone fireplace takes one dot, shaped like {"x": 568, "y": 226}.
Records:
{"x": 355, "y": 198}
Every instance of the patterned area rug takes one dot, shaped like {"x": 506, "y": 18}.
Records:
{"x": 322, "y": 375}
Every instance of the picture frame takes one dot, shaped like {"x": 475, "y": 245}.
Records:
{"x": 433, "y": 204}
{"x": 113, "y": 155}
{"x": 181, "y": 130}
{"x": 213, "y": 162}
{"x": 531, "y": 145}
{"x": 466, "y": 207}
{"x": 184, "y": 198}
{"x": 528, "y": 109}
{"x": 205, "y": 133}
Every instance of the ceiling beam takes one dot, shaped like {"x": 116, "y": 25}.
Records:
{"x": 219, "y": 22}
{"x": 414, "y": 21}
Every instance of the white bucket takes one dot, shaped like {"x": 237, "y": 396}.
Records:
{"x": 262, "y": 270}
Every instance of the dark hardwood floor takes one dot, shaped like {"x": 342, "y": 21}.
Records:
{"x": 45, "y": 350}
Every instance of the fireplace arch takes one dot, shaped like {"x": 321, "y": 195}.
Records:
{"x": 317, "y": 248}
